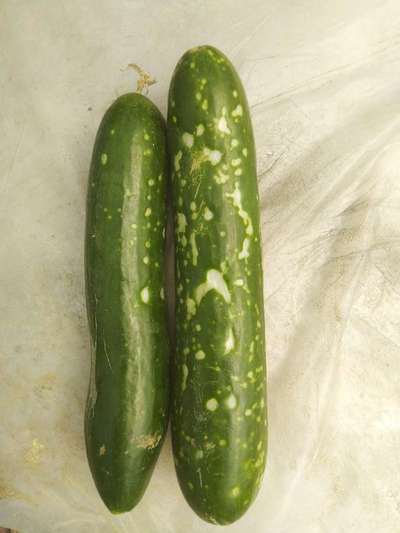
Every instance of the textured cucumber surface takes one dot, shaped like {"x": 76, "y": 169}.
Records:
{"x": 219, "y": 392}
{"x": 127, "y": 408}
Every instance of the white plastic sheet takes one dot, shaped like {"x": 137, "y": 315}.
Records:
{"x": 322, "y": 80}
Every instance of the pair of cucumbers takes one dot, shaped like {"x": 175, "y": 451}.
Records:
{"x": 217, "y": 398}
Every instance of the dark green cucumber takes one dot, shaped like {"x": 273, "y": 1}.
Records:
{"x": 127, "y": 408}
{"x": 219, "y": 406}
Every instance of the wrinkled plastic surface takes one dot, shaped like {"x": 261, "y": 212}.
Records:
{"x": 322, "y": 80}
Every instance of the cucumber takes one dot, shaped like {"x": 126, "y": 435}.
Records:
{"x": 127, "y": 408}
{"x": 219, "y": 386}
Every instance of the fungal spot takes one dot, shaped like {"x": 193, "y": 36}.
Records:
{"x": 236, "y": 162}
{"x": 146, "y": 260}
{"x": 162, "y": 295}
{"x": 104, "y": 159}
{"x": 174, "y": 119}
{"x": 198, "y": 96}
{"x": 146, "y": 136}
{"x": 208, "y": 215}
{"x": 151, "y": 182}
{"x": 214, "y": 281}
{"x": 222, "y": 442}
{"x": 185, "y": 373}
{"x": 235, "y": 492}
{"x": 244, "y": 152}
{"x": 235, "y": 93}
{"x": 238, "y": 111}
{"x": 223, "y": 126}
{"x": 247, "y": 412}
{"x": 102, "y": 450}
{"x": 234, "y": 143}
{"x": 177, "y": 159}
{"x": 147, "y": 244}
{"x": 237, "y": 202}
{"x": 192, "y": 65}
{"x": 212, "y": 404}
{"x": 193, "y": 206}
{"x": 147, "y": 151}
{"x": 231, "y": 401}
{"x": 186, "y": 351}
{"x": 112, "y": 132}
{"x": 239, "y": 283}
{"x": 200, "y": 355}
{"x": 259, "y": 446}
{"x": 190, "y": 485}
{"x": 204, "y": 104}
{"x": 187, "y": 139}
{"x": 145, "y": 295}
{"x": 147, "y": 213}
{"x": 199, "y": 130}
{"x": 195, "y": 252}
{"x": 238, "y": 172}
{"x": 199, "y": 454}
{"x": 198, "y": 327}
{"x": 230, "y": 342}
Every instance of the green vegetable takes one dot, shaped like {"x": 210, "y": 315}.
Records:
{"x": 219, "y": 407}
{"x": 127, "y": 409}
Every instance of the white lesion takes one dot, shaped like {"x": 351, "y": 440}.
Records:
{"x": 177, "y": 159}
{"x": 185, "y": 373}
{"x": 145, "y": 295}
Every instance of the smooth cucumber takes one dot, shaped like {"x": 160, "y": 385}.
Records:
{"x": 127, "y": 407}
{"x": 219, "y": 386}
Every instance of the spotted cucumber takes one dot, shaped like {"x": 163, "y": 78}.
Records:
{"x": 127, "y": 408}
{"x": 219, "y": 390}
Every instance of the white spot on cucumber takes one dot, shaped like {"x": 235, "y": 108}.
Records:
{"x": 162, "y": 296}
{"x": 212, "y": 404}
{"x": 221, "y": 178}
{"x": 104, "y": 159}
{"x": 223, "y": 126}
{"x": 199, "y": 454}
{"x": 195, "y": 252}
{"x": 187, "y": 139}
{"x": 145, "y": 295}
{"x": 247, "y": 412}
{"x": 236, "y": 162}
{"x": 235, "y": 492}
{"x": 199, "y": 130}
{"x": 230, "y": 342}
{"x": 146, "y": 136}
{"x": 146, "y": 260}
{"x": 239, "y": 283}
{"x": 112, "y": 132}
{"x": 200, "y": 355}
{"x": 234, "y": 143}
{"x": 191, "y": 307}
{"x": 214, "y": 281}
{"x": 181, "y": 223}
{"x": 244, "y": 152}
{"x": 214, "y": 156}
{"x": 204, "y": 104}
{"x": 198, "y": 96}
{"x": 231, "y": 401}
{"x": 177, "y": 159}
{"x": 185, "y": 373}
{"x": 147, "y": 213}
{"x": 238, "y": 172}
{"x": 235, "y": 93}
{"x": 238, "y": 111}
{"x": 151, "y": 182}
{"x": 102, "y": 450}
{"x": 208, "y": 215}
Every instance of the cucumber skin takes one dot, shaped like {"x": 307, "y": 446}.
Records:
{"x": 219, "y": 413}
{"x": 127, "y": 408}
